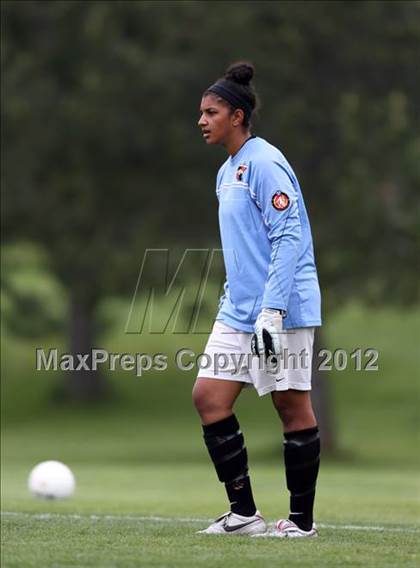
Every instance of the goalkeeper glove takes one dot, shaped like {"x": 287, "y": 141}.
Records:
{"x": 266, "y": 340}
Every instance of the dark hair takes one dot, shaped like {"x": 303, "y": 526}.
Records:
{"x": 236, "y": 89}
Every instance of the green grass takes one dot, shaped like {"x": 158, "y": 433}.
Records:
{"x": 128, "y": 473}
{"x": 141, "y": 456}
{"x": 377, "y": 414}
{"x": 123, "y": 496}
{"x": 129, "y": 543}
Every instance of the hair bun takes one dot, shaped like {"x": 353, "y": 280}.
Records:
{"x": 241, "y": 72}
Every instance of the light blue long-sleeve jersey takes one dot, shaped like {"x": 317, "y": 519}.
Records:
{"x": 266, "y": 240}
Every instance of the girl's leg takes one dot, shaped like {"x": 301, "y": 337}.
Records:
{"x": 301, "y": 452}
{"x": 214, "y": 400}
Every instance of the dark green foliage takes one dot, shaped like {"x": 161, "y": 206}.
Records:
{"x": 103, "y": 158}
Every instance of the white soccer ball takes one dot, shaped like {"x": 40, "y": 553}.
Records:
{"x": 51, "y": 480}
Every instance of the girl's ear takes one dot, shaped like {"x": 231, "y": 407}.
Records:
{"x": 238, "y": 117}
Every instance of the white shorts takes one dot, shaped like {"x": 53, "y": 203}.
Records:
{"x": 228, "y": 357}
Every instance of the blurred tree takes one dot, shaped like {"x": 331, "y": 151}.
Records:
{"x": 33, "y": 304}
{"x": 102, "y": 158}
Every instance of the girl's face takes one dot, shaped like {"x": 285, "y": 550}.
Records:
{"x": 217, "y": 121}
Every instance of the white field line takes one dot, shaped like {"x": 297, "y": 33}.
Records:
{"x": 153, "y": 519}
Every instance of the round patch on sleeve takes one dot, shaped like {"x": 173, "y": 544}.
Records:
{"x": 280, "y": 201}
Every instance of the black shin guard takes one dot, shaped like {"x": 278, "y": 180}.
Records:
{"x": 225, "y": 443}
{"x": 301, "y": 458}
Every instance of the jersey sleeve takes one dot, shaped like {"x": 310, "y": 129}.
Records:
{"x": 276, "y": 197}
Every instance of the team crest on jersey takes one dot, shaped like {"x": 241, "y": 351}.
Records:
{"x": 240, "y": 172}
{"x": 280, "y": 201}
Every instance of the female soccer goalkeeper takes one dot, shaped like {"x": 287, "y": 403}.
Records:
{"x": 270, "y": 307}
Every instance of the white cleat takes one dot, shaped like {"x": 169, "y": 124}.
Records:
{"x": 233, "y": 524}
{"x": 288, "y": 529}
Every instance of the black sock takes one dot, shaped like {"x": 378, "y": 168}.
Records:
{"x": 225, "y": 443}
{"x": 301, "y": 458}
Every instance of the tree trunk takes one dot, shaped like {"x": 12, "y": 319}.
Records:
{"x": 83, "y": 385}
{"x": 322, "y": 401}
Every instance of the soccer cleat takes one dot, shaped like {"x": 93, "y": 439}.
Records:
{"x": 288, "y": 529}
{"x": 233, "y": 524}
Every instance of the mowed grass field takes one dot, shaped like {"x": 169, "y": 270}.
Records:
{"x": 145, "y": 485}
{"x": 128, "y": 515}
